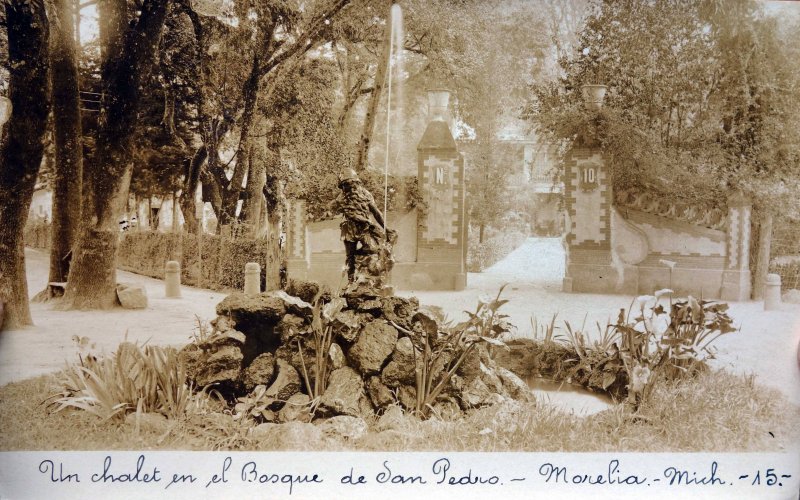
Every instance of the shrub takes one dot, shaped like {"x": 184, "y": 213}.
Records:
{"x": 672, "y": 342}
{"x": 36, "y": 233}
{"x": 210, "y": 261}
{"x": 149, "y": 379}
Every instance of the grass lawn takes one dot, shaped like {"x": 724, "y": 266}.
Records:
{"x": 716, "y": 411}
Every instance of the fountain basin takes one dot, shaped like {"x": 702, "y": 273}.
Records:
{"x": 568, "y": 397}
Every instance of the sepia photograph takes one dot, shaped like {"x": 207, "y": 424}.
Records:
{"x": 343, "y": 230}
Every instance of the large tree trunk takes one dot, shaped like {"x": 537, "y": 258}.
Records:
{"x": 67, "y": 132}
{"x": 362, "y": 153}
{"x": 189, "y": 192}
{"x": 276, "y": 206}
{"x": 256, "y": 177}
{"x": 127, "y": 50}
{"x": 232, "y": 192}
{"x": 764, "y": 249}
{"x": 21, "y": 148}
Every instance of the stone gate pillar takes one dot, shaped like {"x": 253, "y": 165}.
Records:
{"x": 736, "y": 277}
{"x": 442, "y": 221}
{"x": 297, "y": 251}
{"x": 588, "y": 199}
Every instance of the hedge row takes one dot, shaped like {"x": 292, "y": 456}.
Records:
{"x": 37, "y": 234}
{"x": 220, "y": 260}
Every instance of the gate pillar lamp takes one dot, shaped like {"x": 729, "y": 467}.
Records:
{"x": 593, "y": 95}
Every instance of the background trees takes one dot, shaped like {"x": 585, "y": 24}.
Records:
{"x": 701, "y": 95}
{"x": 696, "y": 93}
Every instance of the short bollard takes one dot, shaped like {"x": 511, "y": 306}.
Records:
{"x": 772, "y": 292}
{"x": 172, "y": 280}
{"x": 252, "y": 278}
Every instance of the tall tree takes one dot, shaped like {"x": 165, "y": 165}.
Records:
{"x": 128, "y": 47}
{"x": 67, "y": 132}
{"x": 22, "y": 146}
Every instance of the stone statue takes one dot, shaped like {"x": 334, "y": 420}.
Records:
{"x": 367, "y": 243}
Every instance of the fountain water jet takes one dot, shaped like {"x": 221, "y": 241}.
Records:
{"x": 395, "y": 67}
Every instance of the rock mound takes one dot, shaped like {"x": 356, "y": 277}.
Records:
{"x": 285, "y": 353}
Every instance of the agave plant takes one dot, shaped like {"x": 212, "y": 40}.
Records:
{"x": 149, "y": 379}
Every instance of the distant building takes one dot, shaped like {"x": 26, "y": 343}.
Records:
{"x": 41, "y": 205}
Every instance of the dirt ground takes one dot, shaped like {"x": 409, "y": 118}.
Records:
{"x": 765, "y": 346}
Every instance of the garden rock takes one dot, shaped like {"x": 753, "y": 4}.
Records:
{"x": 399, "y": 309}
{"x": 294, "y": 305}
{"x": 395, "y": 419}
{"x": 379, "y": 394}
{"x": 132, "y": 296}
{"x": 266, "y": 340}
{"x": 475, "y": 394}
{"x": 375, "y": 343}
{"x": 259, "y": 372}
{"x": 514, "y": 385}
{"x": 289, "y": 327}
{"x": 222, "y": 323}
{"x": 231, "y": 338}
{"x": 346, "y": 324}
{"x": 471, "y": 366}
{"x": 295, "y": 409}
{"x": 407, "y": 395}
{"x": 336, "y": 356}
{"x": 401, "y": 369}
{"x": 249, "y": 312}
{"x": 344, "y": 393}
{"x": 290, "y": 354}
{"x": 344, "y": 426}
{"x": 491, "y": 380}
{"x": 307, "y": 290}
{"x": 286, "y": 384}
{"x": 220, "y": 366}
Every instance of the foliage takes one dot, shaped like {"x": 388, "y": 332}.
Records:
{"x": 496, "y": 246}
{"x": 698, "y": 114}
{"x": 145, "y": 380}
{"x": 208, "y": 261}
{"x": 440, "y": 352}
{"x": 677, "y": 418}
{"x": 545, "y": 332}
{"x": 322, "y": 330}
{"x": 669, "y": 342}
{"x": 253, "y": 407}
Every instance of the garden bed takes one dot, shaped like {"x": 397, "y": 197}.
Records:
{"x": 715, "y": 411}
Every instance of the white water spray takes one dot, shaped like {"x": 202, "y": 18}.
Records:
{"x": 395, "y": 68}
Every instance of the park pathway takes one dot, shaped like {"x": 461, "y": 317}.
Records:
{"x": 766, "y": 345}
{"x": 538, "y": 261}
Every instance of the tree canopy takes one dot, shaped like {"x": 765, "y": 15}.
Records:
{"x": 700, "y": 97}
